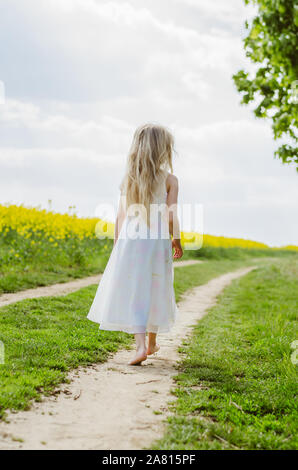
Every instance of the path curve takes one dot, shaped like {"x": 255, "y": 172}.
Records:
{"x": 65, "y": 287}
{"x": 111, "y": 405}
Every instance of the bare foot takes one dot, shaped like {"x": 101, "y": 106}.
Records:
{"x": 139, "y": 358}
{"x": 152, "y": 349}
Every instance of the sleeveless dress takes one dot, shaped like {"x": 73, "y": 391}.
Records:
{"x": 136, "y": 291}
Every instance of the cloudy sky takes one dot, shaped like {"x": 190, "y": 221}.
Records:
{"x": 80, "y": 75}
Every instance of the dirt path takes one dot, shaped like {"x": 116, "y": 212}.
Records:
{"x": 65, "y": 287}
{"x": 111, "y": 406}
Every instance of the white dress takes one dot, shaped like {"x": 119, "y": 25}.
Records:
{"x": 136, "y": 291}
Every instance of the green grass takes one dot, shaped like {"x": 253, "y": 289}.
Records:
{"x": 44, "y": 338}
{"x": 24, "y": 266}
{"x": 237, "y": 386}
{"x": 17, "y": 278}
{"x": 236, "y": 253}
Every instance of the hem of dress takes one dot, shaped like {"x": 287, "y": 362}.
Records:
{"x": 133, "y": 329}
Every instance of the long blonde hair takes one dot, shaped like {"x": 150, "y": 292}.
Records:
{"x": 150, "y": 154}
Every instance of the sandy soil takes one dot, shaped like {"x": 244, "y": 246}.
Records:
{"x": 111, "y": 406}
{"x": 65, "y": 287}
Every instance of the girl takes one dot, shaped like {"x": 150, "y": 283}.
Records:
{"x": 136, "y": 293}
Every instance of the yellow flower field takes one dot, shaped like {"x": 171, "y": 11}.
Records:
{"x": 35, "y": 222}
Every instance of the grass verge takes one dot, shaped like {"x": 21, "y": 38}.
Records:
{"x": 237, "y": 385}
{"x": 47, "y": 264}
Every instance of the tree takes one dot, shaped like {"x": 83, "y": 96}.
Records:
{"x": 271, "y": 43}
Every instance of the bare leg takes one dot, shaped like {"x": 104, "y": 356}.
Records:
{"x": 152, "y": 346}
{"x": 141, "y": 354}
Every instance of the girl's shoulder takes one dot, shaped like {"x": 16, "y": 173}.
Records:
{"x": 171, "y": 181}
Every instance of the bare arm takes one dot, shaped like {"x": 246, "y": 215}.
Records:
{"x": 174, "y": 226}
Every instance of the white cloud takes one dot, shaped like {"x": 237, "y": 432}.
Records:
{"x": 125, "y": 13}
{"x": 68, "y": 176}
{"x": 62, "y": 130}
